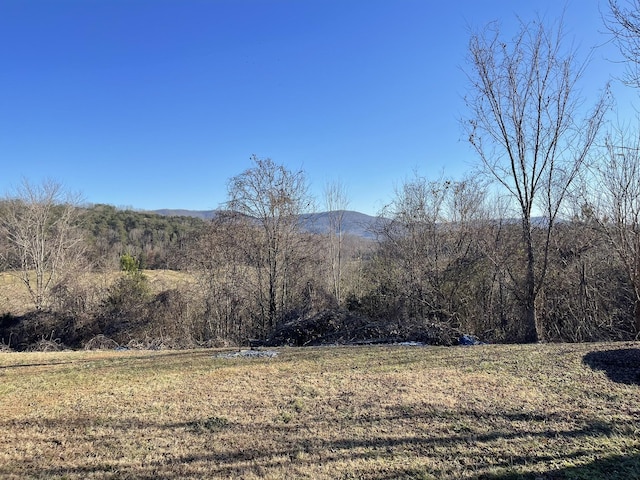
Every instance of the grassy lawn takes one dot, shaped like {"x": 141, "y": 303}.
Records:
{"x": 494, "y": 412}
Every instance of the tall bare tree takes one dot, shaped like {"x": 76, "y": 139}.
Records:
{"x": 525, "y": 123}
{"x": 274, "y": 197}
{"x": 336, "y": 202}
{"x": 40, "y": 224}
{"x": 623, "y": 22}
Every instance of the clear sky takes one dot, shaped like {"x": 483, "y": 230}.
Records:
{"x": 157, "y": 103}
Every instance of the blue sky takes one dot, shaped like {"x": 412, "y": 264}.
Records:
{"x": 157, "y": 103}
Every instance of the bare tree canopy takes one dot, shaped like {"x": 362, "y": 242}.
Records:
{"x": 273, "y": 197}
{"x": 615, "y": 204}
{"x": 526, "y": 123}
{"x": 336, "y": 202}
{"x": 623, "y": 22}
{"x": 429, "y": 238}
{"x": 39, "y": 222}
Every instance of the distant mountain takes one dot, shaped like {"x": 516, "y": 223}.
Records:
{"x": 353, "y": 223}
{"x": 203, "y": 214}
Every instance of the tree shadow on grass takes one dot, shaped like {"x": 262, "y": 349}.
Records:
{"x": 226, "y": 461}
{"x": 620, "y": 365}
{"x": 617, "y": 467}
{"x": 217, "y": 447}
{"x": 26, "y": 365}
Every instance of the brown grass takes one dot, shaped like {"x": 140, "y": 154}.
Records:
{"x": 14, "y": 296}
{"x": 500, "y": 412}
{"x": 15, "y": 299}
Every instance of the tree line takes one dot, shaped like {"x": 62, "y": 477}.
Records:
{"x": 542, "y": 243}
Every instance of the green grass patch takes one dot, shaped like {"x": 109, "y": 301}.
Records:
{"x": 380, "y": 412}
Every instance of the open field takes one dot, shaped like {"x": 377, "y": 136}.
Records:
{"x": 14, "y": 296}
{"x": 493, "y": 412}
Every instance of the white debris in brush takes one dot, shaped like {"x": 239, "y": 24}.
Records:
{"x": 250, "y": 354}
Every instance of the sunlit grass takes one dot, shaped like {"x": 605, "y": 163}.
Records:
{"x": 15, "y": 299}
{"x": 14, "y": 296}
{"x": 360, "y": 412}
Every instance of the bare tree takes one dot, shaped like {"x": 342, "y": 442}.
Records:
{"x": 428, "y": 247}
{"x": 623, "y": 22}
{"x": 525, "y": 124}
{"x": 615, "y": 205}
{"x": 273, "y": 197}
{"x": 40, "y": 224}
{"x": 620, "y": 175}
{"x": 336, "y": 202}
{"x": 221, "y": 256}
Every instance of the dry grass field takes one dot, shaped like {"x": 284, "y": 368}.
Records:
{"x": 14, "y": 296}
{"x": 493, "y": 412}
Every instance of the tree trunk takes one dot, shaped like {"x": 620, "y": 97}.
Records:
{"x": 530, "y": 334}
{"x": 530, "y": 331}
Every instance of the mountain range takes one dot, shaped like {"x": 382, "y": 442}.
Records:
{"x": 353, "y": 223}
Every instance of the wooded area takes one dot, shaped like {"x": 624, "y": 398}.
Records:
{"x": 442, "y": 266}
{"x": 544, "y": 246}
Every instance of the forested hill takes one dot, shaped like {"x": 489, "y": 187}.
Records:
{"x": 150, "y": 237}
